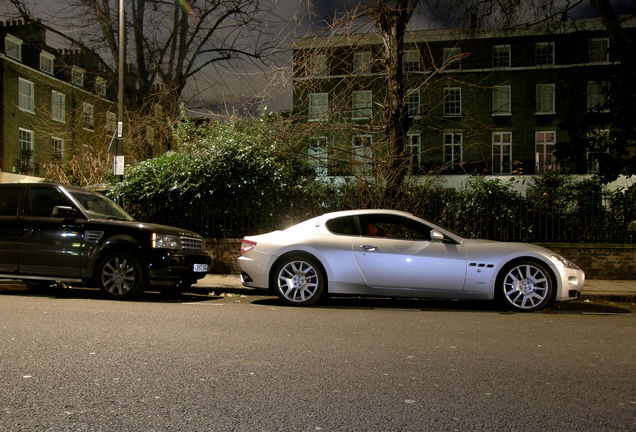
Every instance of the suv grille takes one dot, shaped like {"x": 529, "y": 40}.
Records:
{"x": 190, "y": 244}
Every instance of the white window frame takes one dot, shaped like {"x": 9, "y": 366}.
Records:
{"x": 452, "y": 106}
{"x": 100, "y": 86}
{"x": 77, "y": 76}
{"x": 545, "y": 97}
{"x": 361, "y": 62}
{"x": 318, "y": 109}
{"x": 498, "y": 149}
{"x": 57, "y": 144}
{"x": 502, "y": 100}
{"x": 412, "y": 102}
{"x": 453, "y": 141}
{"x": 26, "y": 95}
{"x": 13, "y": 47}
{"x": 361, "y": 104}
{"x": 47, "y": 62}
{"x": 544, "y": 151}
{"x": 497, "y": 56}
{"x": 596, "y": 97}
{"x": 411, "y": 61}
{"x": 88, "y": 116}
{"x": 451, "y": 58}
{"x": 58, "y": 106}
{"x": 362, "y": 154}
{"x": 598, "y": 50}
{"x": 26, "y": 144}
{"x": 318, "y": 155}
{"x": 414, "y": 147}
{"x": 541, "y": 57}
{"x": 317, "y": 65}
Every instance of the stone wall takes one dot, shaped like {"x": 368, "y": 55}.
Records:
{"x": 599, "y": 261}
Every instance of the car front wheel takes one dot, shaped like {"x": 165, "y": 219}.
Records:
{"x": 299, "y": 281}
{"x": 120, "y": 276}
{"x": 525, "y": 286}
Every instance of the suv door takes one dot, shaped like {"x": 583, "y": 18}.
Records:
{"x": 51, "y": 245}
{"x": 10, "y": 230}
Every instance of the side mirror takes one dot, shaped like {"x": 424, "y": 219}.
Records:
{"x": 437, "y": 235}
{"x": 65, "y": 212}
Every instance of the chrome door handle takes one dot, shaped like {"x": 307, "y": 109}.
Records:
{"x": 367, "y": 247}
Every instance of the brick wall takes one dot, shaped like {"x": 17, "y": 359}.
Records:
{"x": 599, "y": 261}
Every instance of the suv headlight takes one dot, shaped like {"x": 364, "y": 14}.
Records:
{"x": 165, "y": 241}
{"x": 563, "y": 262}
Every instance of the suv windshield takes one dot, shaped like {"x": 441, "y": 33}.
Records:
{"x": 99, "y": 207}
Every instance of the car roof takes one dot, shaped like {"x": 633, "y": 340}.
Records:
{"x": 363, "y": 212}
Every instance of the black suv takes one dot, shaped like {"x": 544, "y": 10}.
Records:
{"x": 59, "y": 233}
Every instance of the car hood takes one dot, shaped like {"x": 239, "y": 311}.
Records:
{"x": 500, "y": 247}
{"x": 150, "y": 227}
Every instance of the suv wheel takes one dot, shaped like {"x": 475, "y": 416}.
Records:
{"x": 120, "y": 276}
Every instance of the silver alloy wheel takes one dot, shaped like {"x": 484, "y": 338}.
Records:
{"x": 298, "y": 281}
{"x": 118, "y": 275}
{"x": 526, "y": 286}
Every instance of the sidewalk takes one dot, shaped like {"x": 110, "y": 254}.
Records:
{"x": 593, "y": 288}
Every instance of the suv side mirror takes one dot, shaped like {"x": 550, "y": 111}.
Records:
{"x": 65, "y": 212}
{"x": 437, "y": 235}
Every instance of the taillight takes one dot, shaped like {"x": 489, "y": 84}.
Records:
{"x": 247, "y": 245}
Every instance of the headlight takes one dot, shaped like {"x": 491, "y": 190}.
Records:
{"x": 165, "y": 241}
{"x": 563, "y": 262}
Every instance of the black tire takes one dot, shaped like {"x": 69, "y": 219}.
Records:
{"x": 120, "y": 275}
{"x": 298, "y": 280}
{"x": 525, "y": 286}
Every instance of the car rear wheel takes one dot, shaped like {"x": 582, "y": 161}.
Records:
{"x": 120, "y": 275}
{"x": 525, "y": 286}
{"x": 299, "y": 281}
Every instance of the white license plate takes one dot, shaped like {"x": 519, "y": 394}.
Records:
{"x": 200, "y": 268}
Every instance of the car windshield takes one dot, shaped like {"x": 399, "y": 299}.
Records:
{"x": 99, "y": 207}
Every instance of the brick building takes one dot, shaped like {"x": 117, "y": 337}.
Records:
{"x": 54, "y": 102}
{"x": 495, "y": 102}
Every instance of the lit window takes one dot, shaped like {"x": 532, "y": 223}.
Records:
{"x": 26, "y": 98}
{"x": 451, "y": 58}
{"x": 58, "y": 147}
{"x": 453, "y": 148}
{"x": 544, "y": 53}
{"x": 501, "y": 103}
{"x": 58, "y": 106}
{"x": 501, "y": 152}
{"x": 88, "y": 116}
{"x": 317, "y": 155}
{"x": 411, "y": 61}
{"x": 318, "y": 106}
{"x": 597, "y": 96}
{"x": 545, "y": 99}
{"x": 501, "y": 56}
{"x": 13, "y": 47}
{"x": 77, "y": 76}
{"x": 598, "y": 50}
{"x": 362, "y": 154}
{"x": 544, "y": 151}
{"x": 25, "y": 145}
{"x": 47, "y": 62}
{"x": 414, "y": 147}
{"x": 452, "y": 101}
{"x": 100, "y": 86}
{"x": 362, "y": 62}
{"x": 362, "y": 104}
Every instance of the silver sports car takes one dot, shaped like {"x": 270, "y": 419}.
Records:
{"x": 395, "y": 254}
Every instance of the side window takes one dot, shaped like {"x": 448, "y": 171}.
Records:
{"x": 343, "y": 225}
{"x": 43, "y": 200}
{"x": 394, "y": 227}
{"x": 9, "y": 201}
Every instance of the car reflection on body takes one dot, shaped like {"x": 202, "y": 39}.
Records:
{"x": 396, "y": 254}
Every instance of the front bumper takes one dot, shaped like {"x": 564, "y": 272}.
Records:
{"x": 166, "y": 267}
{"x": 571, "y": 284}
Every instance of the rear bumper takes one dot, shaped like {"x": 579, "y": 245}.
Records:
{"x": 170, "y": 267}
{"x": 254, "y": 273}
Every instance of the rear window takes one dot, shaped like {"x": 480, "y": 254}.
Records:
{"x": 9, "y": 201}
{"x": 345, "y": 225}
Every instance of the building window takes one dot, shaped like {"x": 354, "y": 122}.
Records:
{"x": 597, "y": 96}
{"x": 100, "y": 86}
{"x": 77, "y": 76}
{"x": 411, "y": 61}
{"x": 88, "y": 116}
{"x": 318, "y": 155}
{"x": 598, "y": 143}
{"x": 414, "y": 147}
{"x": 452, "y": 101}
{"x": 47, "y": 62}
{"x": 58, "y": 106}
{"x": 453, "y": 148}
{"x": 317, "y": 65}
{"x": 13, "y": 47}
{"x": 26, "y": 99}
{"x": 58, "y": 147}
{"x": 545, "y": 99}
{"x": 501, "y": 56}
{"x": 318, "y": 106}
{"x": 362, "y": 154}
{"x": 413, "y": 102}
{"x": 111, "y": 122}
{"x": 598, "y": 50}
{"x": 362, "y": 62}
{"x": 25, "y": 144}
{"x": 362, "y": 104}
{"x": 451, "y": 58}
{"x": 501, "y": 101}
{"x": 501, "y": 152}
{"x": 544, "y": 151}
{"x": 544, "y": 53}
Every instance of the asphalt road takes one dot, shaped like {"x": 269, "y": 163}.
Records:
{"x": 74, "y": 361}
